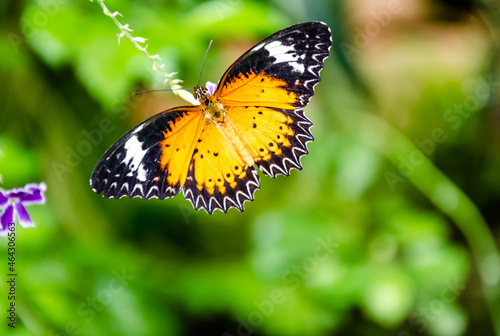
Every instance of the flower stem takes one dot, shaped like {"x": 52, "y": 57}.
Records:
{"x": 169, "y": 77}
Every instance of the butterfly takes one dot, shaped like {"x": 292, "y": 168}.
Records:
{"x": 211, "y": 151}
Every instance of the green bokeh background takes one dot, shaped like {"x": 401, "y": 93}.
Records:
{"x": 389, "y": 229}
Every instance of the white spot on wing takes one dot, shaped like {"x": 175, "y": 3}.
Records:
{"x": 297, "y": 67}
{"x": 139, "y": 128}
{"x": 134, "y": 153}
{"x": 257, "y": 47}
{"x": 285, "y": 54}
{"x": 141, "y": 173}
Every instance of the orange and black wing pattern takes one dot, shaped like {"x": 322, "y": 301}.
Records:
{"x": 152, "y": 159}
{"x": 253, "y": 119}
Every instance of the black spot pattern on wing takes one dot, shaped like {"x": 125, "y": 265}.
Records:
{"x": 290, "y": 156}
{"x": 130, "y": 167}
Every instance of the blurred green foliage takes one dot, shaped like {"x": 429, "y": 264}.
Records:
{"x": 371, "y": 238}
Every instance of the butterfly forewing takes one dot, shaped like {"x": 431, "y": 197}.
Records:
{"x": 152, "y": 159}
{"x": 281, "y": 71}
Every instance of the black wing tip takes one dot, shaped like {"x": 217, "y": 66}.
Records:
{"x": 318, "y": 43}
{"x": 309, "y": 24}
{"x": 320, "y": 27}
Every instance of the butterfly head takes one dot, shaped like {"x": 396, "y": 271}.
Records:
{"x": 204, "y": 91}
{"x": 201, "y": 94}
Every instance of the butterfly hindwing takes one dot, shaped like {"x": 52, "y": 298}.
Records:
{"x": 218, "y": 177}
{"x": 152, "y": 159}
{"x": 277, "y": 138}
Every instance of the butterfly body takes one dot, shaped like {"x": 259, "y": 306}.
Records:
{"x": 211, "y": 107}
{"x": 254, "y": 119}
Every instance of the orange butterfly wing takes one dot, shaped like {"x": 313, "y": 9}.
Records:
{"x": 276, "y": 138}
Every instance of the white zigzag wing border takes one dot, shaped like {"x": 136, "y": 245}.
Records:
{"x": 232, "y": 198}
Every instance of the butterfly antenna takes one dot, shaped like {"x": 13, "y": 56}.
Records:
{"x": 141, "y": 92}
{"x": 204, "y": 59}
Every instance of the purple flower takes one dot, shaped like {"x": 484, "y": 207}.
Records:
{"x": 13, "y": 202}
{"x": 211, "y": 87}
